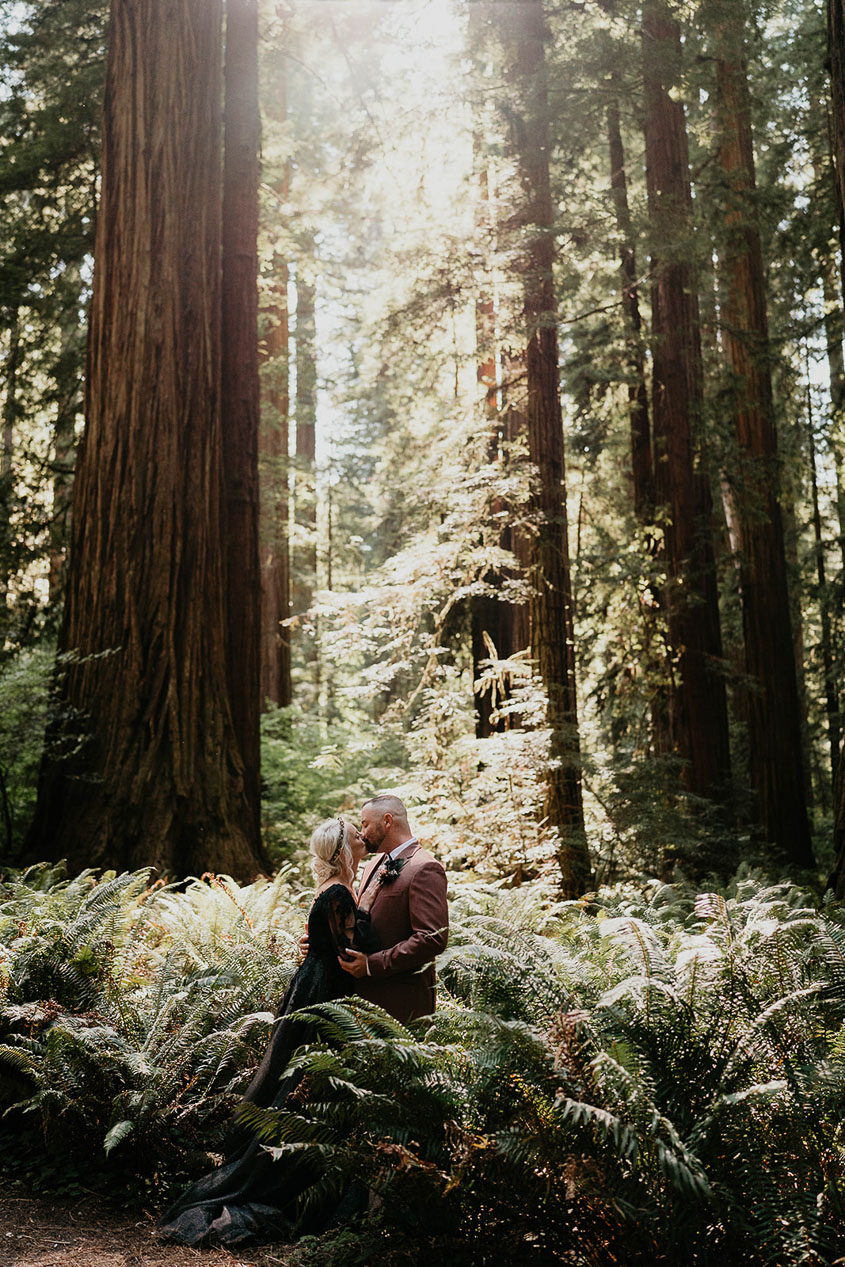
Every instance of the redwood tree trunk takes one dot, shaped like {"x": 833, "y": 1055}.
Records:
{"x": 698, "y": 707}
{"x": 552, "y": 632}
{"x": 158, "y": 779}
{"x": 772, "y": 709}
{"x": 240, "y": 397}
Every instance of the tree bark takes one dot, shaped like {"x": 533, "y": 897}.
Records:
{"x": 772, "y": 709}
{"x": 698, "y": 707}
{"x": 240, "y": 396}
{"x": 524, "y": 34}
{"x": 142, "y": 765}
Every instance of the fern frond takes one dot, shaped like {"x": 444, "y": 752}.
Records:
{"x": 117, "y": 1134}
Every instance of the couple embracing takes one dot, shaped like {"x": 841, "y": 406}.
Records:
{"x": 379, "y": 942}
{"x": 402, "y": 917}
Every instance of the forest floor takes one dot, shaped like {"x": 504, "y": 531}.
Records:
{"x": 89, "y": 1232}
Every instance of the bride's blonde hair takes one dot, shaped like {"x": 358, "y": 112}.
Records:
{"x": 330, "y": 852}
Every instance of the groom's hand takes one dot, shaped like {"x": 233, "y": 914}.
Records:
{"x": 353, "y": 962}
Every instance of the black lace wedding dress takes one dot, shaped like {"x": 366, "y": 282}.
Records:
{"x": 251, "y": 1196}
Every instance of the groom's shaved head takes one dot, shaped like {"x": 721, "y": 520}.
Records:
{"x": 387, "y": 803}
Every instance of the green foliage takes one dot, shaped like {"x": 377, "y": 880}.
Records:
{"x": 656, "y": 1076}
{"x": 52, "y": 60}
{"x": 131, "y": 1014}
{"x": 24, "y": 685}
{"x": 311, "y": 769}
{"x": 661, "y": 1081}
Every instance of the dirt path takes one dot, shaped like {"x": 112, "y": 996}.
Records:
{"x": 88, "y": 1233}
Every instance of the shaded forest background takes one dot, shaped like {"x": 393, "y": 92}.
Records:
{"x": 488, "y": 234}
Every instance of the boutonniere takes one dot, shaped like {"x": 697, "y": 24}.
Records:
{"x": 391, "y": 869}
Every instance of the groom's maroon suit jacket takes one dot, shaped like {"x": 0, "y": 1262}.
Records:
{"x": 410, "y": 918}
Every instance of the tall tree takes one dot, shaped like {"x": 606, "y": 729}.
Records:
{"x": 142, "y": 765}
{"x": 274, "y": 544}
{"x": 240, "y": 396}
{"x": 698, "y": 706}
{"x": 772, "y": 710}
{"x": 524, "y": 35}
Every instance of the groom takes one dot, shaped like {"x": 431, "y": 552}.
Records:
{"x": 404, "y": 889}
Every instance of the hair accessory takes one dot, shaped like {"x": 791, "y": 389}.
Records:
{"x": 340, "y": 841}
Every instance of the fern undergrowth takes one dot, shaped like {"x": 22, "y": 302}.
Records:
{"x": 655, "y": 1077}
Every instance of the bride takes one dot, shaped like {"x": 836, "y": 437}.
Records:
{"x": 251, "y": 1196}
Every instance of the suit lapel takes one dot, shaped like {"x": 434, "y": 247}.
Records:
{"x": 404, "y": 855}
{"x": 365, "y": 880}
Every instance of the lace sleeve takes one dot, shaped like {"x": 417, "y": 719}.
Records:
{"x": 331, "y": 922}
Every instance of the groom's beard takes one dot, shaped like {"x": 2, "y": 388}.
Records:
{"x": 373, "y": 846}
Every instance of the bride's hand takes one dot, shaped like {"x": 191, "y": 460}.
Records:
{"x": 353, "y": 962}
